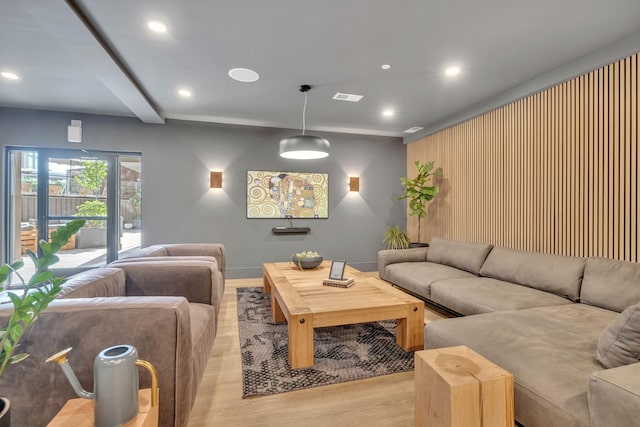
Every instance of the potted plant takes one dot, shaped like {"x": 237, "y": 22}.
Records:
{"x": 94, "y": 235}
{"x": 92, "y": 178}
{"x": 136, "y": 204}
{"x": 35, "y": 296}
{"x": 419, "y": 191}
{"x": 395, "y": 238}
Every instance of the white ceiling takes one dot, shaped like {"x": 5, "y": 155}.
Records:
{"x": 332, "y": 45}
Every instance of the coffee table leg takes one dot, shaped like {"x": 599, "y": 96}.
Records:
{"x": 410, "y": 331}
{"x": 266, "y": 285}
{"x": 276, "y": 310}
{"x": 301, "y": 341}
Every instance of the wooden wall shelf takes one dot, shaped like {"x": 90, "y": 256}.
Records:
{"x": 290, "y": 230}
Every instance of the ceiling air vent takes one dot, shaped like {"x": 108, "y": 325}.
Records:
{"x": 347, "y": 97}
{"x": 413, "y": 129}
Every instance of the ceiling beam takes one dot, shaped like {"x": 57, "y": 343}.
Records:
{"x": 119, "y": 79}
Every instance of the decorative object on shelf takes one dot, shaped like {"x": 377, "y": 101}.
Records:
{"x": 273, "y": 194}
{"x": 215, "y": 180}
{"x": 306, "y": 260}
{"x": 37, "y": 293}
{"x": 395, "y": 238}
{"x": 354, "y": 183}
{"x": 115, "y": 381}
{"x": 418, "y": 192}
{"x": 304, "y": 147}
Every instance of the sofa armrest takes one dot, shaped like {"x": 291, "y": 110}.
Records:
{"x": 614, "y": 396}
{"x": 159, "y": 328}
{"x": 198, "y": 281}
{"x": 393, "y": 256}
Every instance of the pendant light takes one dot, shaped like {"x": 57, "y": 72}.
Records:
{"x": 304, "y": 146}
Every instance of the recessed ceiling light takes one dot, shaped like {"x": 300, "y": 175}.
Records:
{"x": 388, "y": 113}
{"x": 386, "y": 66}
{"x": 9, "y": 75}
{"x": 157, "y": 26}
{"x": 243, "y": 75}
{"x": 452, "y": 71}
{"x": 413, "y": 129}
{"x": 185, "y": 93}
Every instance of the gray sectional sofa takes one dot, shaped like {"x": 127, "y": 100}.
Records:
{"x": 568, "y": 328}
{"x": 165, "y": 306}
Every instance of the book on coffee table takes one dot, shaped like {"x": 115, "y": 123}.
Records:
{"x": 344, "y": 283}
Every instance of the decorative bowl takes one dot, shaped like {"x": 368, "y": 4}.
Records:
{"x": 306, "y": 263}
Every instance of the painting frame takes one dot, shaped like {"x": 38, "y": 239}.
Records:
{"x": 285, "y": 194}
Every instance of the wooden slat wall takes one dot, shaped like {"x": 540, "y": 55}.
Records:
{"x": 555, "y": 172}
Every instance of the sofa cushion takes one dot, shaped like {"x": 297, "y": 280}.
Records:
{"x": 549, "y": 350}
{"x": 561, "y": 275}
{"x": 156, "y": 250}
{"x": 611, "y": 284}
{"x": 417, "y": 277}
{"x": 485, "y": 295}
{"x": 462, "y": 255}
{"x": 98, "y": 282}
{"x": 619, "y": 344}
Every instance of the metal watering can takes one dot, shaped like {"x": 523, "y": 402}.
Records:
{"x": 115, "y": 381}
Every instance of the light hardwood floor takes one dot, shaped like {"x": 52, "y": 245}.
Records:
{"x": 380, "y": 401}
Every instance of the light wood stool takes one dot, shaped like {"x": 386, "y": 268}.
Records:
{"x": 79, "y": 413}
{"x": 456, "y": 387}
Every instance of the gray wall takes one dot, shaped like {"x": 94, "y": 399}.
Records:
{"x": 178, "y": 205}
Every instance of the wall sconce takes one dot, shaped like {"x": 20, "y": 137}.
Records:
{"x": 354, "y": 183}
{"x": 216, "y": 180}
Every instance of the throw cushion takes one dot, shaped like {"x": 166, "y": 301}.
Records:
{"x": 561, "y": 275}
{"x": 462, "y": 255}
{"x": 97, "y": 282}
{"x": 611, "y": 284}
{"x": 619, "y": 344}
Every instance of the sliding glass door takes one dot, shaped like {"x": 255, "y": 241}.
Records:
{"x": 47, "y": 188}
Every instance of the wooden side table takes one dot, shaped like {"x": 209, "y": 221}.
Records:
{"x": 456, "y": 387}
{"x": 79, "y": 413}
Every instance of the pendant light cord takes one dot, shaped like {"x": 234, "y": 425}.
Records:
{"x": 304, "y": 113}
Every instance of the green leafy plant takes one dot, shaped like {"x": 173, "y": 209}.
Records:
{"x": 37, "y": 293}
{"x": 93, "y": 208}
{"x": 92, "y": 176}
{"x": 136, "y": 203}
{"x": 395, "y": 238}
{"x": 419, "y": 191}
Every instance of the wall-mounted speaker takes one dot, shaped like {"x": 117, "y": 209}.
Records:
{"x": 74, "y": 131}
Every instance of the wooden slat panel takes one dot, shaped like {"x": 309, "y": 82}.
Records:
{"x": 555, "y": 172}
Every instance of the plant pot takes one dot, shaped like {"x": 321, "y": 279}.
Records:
{"x": 137, "y": 223}
{"x": 5, "y": 407}
{"x": 91, "y": 238}
{"x": 306, "y": 263}
{"x": 128, "y": 226}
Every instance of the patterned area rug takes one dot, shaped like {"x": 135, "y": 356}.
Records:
{"x": 342, "y": 353}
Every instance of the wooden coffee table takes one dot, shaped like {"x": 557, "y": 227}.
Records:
{"x": 300, "y": 298}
